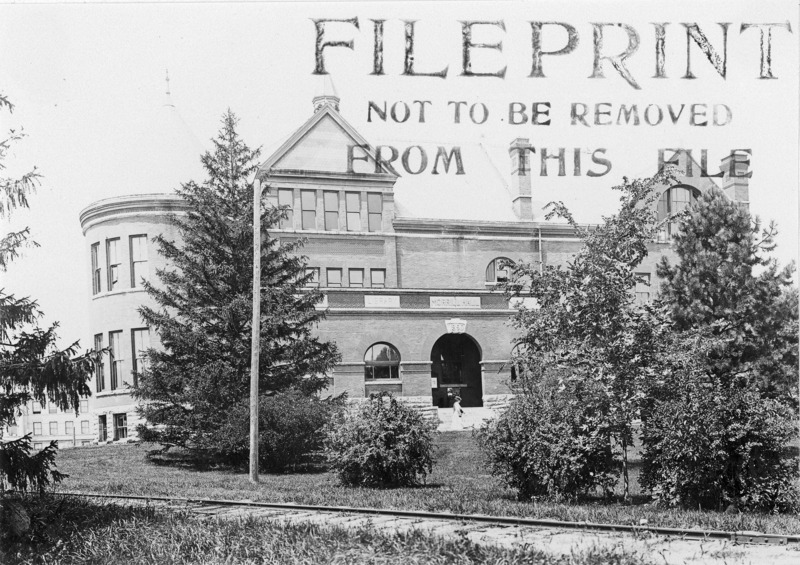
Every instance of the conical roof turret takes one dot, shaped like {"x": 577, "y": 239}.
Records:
{"x": 167, "y": 152}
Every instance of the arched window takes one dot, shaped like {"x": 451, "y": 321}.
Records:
{"x": 518, "y": 360}
{"x": 499, "y": 270}
{"x": 381, "y": 361}
{"x": 674, "y": 200}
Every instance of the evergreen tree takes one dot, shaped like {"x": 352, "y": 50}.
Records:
{"x": 32, "y": 367}
{"x": 200, "y": 377}
{"x": 718, "y": 419}
{"x": 726, "y": 283}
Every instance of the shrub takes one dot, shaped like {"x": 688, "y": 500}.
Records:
{"x": 718, "y": 444}
{"x": 290, "y": 432}
{"x": 381, "y": 443}
{"x": 550, "y": 443}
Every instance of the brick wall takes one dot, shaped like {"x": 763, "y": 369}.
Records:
{"x": 455, "y": 262}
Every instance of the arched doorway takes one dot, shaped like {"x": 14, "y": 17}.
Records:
{"x": 456, "y": 364}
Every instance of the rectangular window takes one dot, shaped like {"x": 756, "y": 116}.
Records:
{"x": 331, "y": 201}
{"x": 314, "y": 272}
{"x": 96, "y": 268}
{"x": 37, "y": 446}
{"x": 642, "y": 288}
{"x": 102, "y": 428}
{"x": 120, "y": 426}
{"x": 374, "y": 210}
{"x": 69, "y": 428}
{"x": 98, "y": 365}
{"x": 52, "y": 408}
{"x": 334, "y": 277}
{"x": 308, "y": 201}
{"x": 37, "y": 407}
{"x": 353, "y": 205}
{"x": 139, "y": 270}
{"x": 84, "y": 407}
{"x": 115, "y": 358}
{"x": 85, "y": 427}
{"x": 286, "y": 199}
{"x": 356, "y": 277}
{"x": 53, "y": 428}
{"x": 112, "y": 262}
{"x": 140, "y": 343}
{"x": 377, "y": 278}
{"x": 37, "y": 428}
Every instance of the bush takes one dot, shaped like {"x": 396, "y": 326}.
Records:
{"x": 290, "y": 432}
{"x": 382, "y": 443}
{"x": 550, "y": 443}
{"x": 717, "y": 444}
{"x": 291, "y": 429}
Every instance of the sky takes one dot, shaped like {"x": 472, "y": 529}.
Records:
{"x": 88, "y": 84}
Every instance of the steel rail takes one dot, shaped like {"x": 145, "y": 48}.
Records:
{"x": 742, "y": 537}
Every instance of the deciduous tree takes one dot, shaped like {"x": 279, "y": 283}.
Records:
{"x": 587, "y": 326}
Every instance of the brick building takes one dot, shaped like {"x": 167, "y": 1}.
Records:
{"x": 410, "y": 287}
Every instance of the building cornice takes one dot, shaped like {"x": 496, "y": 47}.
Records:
{"x": 434, "y": 313}
{"x": 131, "y": 205}
{"x": 480, "y": 227}
{"x": 320, "y": 180}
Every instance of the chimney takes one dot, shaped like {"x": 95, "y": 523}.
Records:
{"x": 736, "y": 175}
{"x": 520, "y": 153}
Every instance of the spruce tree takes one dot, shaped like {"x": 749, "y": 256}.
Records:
{"x": 32, "y": 366}
{"x": 726, "y": 283}
{"x": 199, "y": 377}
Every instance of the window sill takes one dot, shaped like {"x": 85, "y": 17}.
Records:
{"x": 383, "y": 381}
{"x": 117, "y": 292}
{"x": 317, "y": 231}
{"x": 116, "y": 392}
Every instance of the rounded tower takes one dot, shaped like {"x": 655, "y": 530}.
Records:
{"x": 119, "y": 237}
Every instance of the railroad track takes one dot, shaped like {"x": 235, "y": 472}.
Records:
{"x": 415, "y": 515}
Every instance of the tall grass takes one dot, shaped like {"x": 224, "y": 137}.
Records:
{"x": 460, "y": 483}
{"x": 89, "y": 533}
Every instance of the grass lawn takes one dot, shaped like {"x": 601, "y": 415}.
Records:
{"x": 460, "y": 483}
{"x": 90, "y": 533}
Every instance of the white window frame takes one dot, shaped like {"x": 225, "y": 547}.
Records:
{"x": 113, "y": 268}
{"x": 136, "y": 259}
{"x": 116, "y": 358}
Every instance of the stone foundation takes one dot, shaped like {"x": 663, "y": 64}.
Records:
{"x": 497, "y": 403}
{"x": 421, "y": 404}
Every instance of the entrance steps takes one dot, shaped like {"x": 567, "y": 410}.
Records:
{"x": 473, "y": 418}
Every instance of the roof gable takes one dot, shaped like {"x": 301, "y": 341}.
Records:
{"x": 322, "y": 144}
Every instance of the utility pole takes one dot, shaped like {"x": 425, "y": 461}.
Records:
{"x": 255, "y": 345}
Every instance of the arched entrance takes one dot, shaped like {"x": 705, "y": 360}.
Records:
{"x": 456, "y": 364}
